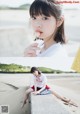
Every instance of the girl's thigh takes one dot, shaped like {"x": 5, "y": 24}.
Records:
{"x": 29, "y": 90}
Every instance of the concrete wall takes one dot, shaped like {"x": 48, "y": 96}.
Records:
{"x": 46, "y": 104}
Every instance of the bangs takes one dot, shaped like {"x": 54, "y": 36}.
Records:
{"x": 41, "y": 8}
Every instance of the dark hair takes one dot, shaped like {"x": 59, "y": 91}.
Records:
{"x": 48, "y": 8}
{"x": 33, "y": 69}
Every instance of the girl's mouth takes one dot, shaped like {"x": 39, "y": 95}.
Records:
{"x": 38, "y": 33}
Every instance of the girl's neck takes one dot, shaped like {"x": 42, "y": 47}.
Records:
{"x": 48, "y": 42}
{"x": 39, "y": 75}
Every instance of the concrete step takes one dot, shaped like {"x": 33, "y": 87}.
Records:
{"x": 46, "y": 104}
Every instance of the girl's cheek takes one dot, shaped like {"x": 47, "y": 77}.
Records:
{"x": 34, "y": 25}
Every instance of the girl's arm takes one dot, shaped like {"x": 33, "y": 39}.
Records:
{"x": 45, "y": 83}
{"x": 41, "y": 89}
{"x": 35, "y": 85}
{"x": 37, "y": 92}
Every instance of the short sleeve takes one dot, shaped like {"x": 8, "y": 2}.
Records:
{"x": 44, "y": 79}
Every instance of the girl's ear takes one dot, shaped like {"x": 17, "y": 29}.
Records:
{"x": 60, "y": 21}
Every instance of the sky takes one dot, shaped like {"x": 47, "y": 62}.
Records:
{"x": 44, "y": 62}
{"x": 16, "y": 3}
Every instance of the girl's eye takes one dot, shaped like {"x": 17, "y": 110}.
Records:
{"x": 45, "y": 18}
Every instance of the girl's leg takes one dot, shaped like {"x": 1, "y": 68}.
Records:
{"x": 59, "y": 97}
{"x": 68, "y": 101}
{"x": 27, "y": 95}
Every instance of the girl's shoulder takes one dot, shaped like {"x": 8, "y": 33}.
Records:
{"x": 54, "y": 50}
{"x": 43, "y": 75}
{"x": 58, "y": 50}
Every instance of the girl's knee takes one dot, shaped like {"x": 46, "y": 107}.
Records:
{"x": 28, "y": 90}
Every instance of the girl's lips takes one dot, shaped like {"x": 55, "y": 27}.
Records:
{"x": 38, "y": 33}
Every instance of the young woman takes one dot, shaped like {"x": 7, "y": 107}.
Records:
{"x": 39, "y": 87}
{"x": 48, "y": 24}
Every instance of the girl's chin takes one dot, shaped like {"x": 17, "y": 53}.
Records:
{"x": 41, "y": 37}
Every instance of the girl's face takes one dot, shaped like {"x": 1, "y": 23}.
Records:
{"x": 43, "y": 26}
{"x": 35, "y": 73}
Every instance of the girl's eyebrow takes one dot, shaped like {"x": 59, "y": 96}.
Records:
{"x": 39, "y": 15}
{"x": 46, "y": 15}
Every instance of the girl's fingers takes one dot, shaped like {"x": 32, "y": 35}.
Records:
{"x": 30, "y": 53}
{"x": 34, "y": 44}
{"x": 31, "y": 50}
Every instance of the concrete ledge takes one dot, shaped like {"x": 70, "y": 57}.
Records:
{"x": 46, "y": 104}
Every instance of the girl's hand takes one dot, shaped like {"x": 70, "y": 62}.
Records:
{"x": 36, "y": 92}
{"x": 31, "y": 50}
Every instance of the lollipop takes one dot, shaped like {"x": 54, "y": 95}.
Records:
{"x": 40, "y": 43}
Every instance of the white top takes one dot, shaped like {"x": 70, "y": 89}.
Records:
{"x": 56, "y": 57}
{"x": 39, "y": 81}
{"x": 54, "y": 50}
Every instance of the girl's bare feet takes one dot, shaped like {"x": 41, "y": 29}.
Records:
{"x": 72, "y": 103}
{"x": 65, "y": 99}
{"x": 25, "y": 101}
{"x": 69, "y": 102}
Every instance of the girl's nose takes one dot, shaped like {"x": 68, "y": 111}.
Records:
{"x": 38, "y": 24}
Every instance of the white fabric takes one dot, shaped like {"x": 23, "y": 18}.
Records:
{"x": 40, "y": 81}
{"x": 54, "y": 50}
{"x": 56, "y": 57}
